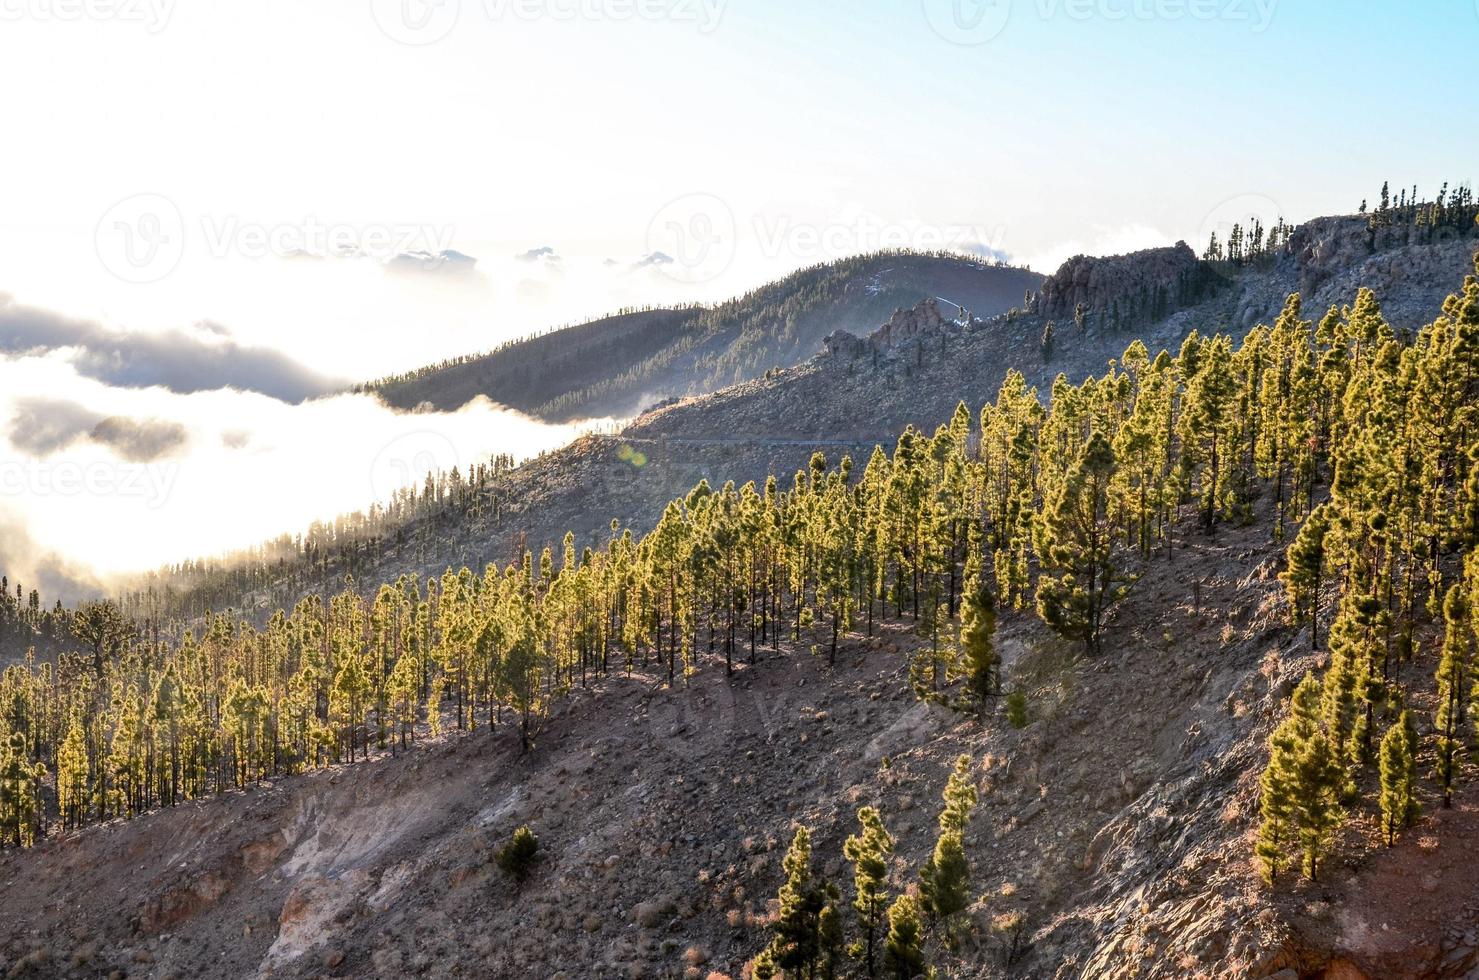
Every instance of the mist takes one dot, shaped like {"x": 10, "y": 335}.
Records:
{"x": 99, "y": 480}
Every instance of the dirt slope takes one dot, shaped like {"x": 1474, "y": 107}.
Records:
{"x": 1117, "y": 821}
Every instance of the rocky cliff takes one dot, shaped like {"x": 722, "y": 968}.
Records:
{"x": 1141, "y": 285}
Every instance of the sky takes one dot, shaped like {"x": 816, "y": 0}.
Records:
{"x": 214, "y": 212}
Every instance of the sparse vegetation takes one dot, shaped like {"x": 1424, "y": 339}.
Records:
{"x": 518, "y": 857}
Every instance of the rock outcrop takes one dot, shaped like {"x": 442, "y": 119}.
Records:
{"x": 902, "y": 329}
{"x": 1130, "y": 286}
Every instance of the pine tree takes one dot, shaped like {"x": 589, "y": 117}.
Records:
{"x": 1017, "y": 709}
{"x": 1080, "y": 577}
{"x": 1455, "y": 670}
{"x": 807, "y": 931}
{"x": 869, "y": 852}
{"x": 1306, "y": 569}
{"x": 71, "y": 776}
{"x": 1300, "y": 788}
{"x": 1398, "y": 768}
{"x": 517, "y": 857}
{"x": 977, "y": 640}
{"x": 903, "y": 953}
{"x": 1045, "y": 345}
{"x": 1321, "y": 780}
{"x": 945, "y": 879}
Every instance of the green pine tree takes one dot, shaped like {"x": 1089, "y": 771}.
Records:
{"x": 977, "y": 640}
{"x": 903, "y": 953}
{"x": 869, "y": 852}
{"x": 807, "y": 936}
{"x": 1398, "y": 765}
{"x": 1455, "y": 671}
{"x": 1306, "y": 569}
{"x": 945, "y": 879}
{"x": 1081, "y": 578}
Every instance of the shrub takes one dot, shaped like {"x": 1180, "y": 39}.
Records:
{"x": 1017, "y": 709}
{"x": 517, "y": 857}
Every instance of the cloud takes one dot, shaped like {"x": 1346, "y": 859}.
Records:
{"x": 140, "y": 440}
{"x": 27, "y": 564}
{"x": 41, "y": 427}
{"x": 543, "y": 252}
{"x": 447, "y": 262}
{"x": 985, "y": 251}
{"x": 1105, "y": 241}
{"x": 205, "y": 359}
{"x": 128, "y": 479}
{"x": 652, "y": 259}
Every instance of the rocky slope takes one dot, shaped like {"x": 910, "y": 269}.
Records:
{"x": 864, "y": 387}
{"x": 617, "y": 365}
{"x": 1117, "y": 822}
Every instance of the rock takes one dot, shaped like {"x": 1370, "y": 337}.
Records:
{"x": 1165, "y": 278}
{"x": 651, "y": 914}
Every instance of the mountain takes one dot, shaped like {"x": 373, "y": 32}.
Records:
{"x": 1119, "y": 799}
{"x": 619, "y": 364}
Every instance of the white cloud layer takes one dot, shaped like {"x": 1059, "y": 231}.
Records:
{"x": 174, "y": 475}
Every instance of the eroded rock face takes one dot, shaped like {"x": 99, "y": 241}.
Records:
{"x": 1098, "y": 284}
{"x": 904, "y": 328}
{"x": 1325, "y": 248}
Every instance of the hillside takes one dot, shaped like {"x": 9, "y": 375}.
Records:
{"x": 914, "y": 370}
{"x": 916, "y": 366}
{"x": 616, "y": 365}
{"x": 1117, "y": 826}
